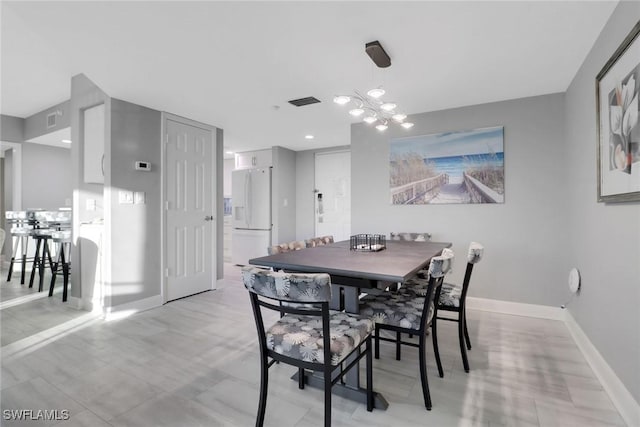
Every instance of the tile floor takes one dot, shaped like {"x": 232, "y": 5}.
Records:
{"x": 194, "y": 362}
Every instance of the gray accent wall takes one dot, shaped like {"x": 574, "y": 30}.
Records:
{"x": 525, "y": 238}
{"x": 11, "y": 129}
{"x": 135, "y": 256}
{"x": 603, "y": 240}
{"x": 46, "y": 177}
{"x": 36, "y": 125}
{"x": 305, "y": 184}
{"x": 283, "y": 197}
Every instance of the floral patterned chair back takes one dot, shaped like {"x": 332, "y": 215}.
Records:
{"x": 411, "y": 237}
{"x": 319, "y": 241}
{"x": 288, "y": 287}
{"x": 476, "y": 251}
{"x": 286, "y": 247}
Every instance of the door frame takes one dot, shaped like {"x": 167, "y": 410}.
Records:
{"x": 16, "y": 170}
{"x": 315, "y": 187}
{"x": 163, "y": 188}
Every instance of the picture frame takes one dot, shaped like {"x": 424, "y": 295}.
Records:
{"x": 452, "y": 167}
{"x": 617, "y": 123}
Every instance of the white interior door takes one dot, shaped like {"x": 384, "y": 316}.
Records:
{"x": 333, "y": 194}
{"x": 190, "y": 223}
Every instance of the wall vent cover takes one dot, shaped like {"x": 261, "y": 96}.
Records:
{"x": 304, "y": 101}
{"x": 51, "y": 120}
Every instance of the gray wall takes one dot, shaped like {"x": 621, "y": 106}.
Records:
{"x": 524, "y": 237}
{"x": 11, "y": 129}
{"x": 135, "y": 228}
{"x": 305, "y": 184}
{"x": 84, "y": 94}
{"x": 603, "y": 239}
{"x": 283, "y": 195}
{"x": 46, "y": 176}
{"x": 36, "y": 125}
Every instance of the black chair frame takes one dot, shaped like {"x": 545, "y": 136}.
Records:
{"x": 463, "y": 332}
{"x": 433, "y": 293}
{"x": 326, "y": 368}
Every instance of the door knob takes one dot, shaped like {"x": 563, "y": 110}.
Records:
{"x": 208, "y": 218}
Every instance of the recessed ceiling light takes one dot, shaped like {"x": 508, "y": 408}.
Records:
{"x": 66, "y": 141}
{"x": 229, "y": 152}
{"x": 308, "y": 137}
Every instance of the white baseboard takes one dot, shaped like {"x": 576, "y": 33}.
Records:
{"x": 125, "y": 310}
{"x": 516, "y": 308}
{"x": 623, "y": 400}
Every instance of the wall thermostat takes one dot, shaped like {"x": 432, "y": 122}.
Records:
{"x": 143, "y": 166}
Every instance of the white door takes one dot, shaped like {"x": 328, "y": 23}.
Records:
{"x": 190, "y": 226}
{"x": 333, "y": 194}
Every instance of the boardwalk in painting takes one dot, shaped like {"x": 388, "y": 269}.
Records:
{"x": 454, "y": 192}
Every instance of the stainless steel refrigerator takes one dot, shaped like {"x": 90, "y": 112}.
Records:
{"x": 251, "y": 199}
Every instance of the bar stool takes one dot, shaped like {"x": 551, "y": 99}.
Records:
{"x": 42, "y": 255}
{"x": 63, "y": 261}
{"x": 20, "y": 232}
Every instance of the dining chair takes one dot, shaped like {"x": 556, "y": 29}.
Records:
{"x": 411, "y": 314}
{"x": 319, "y": 241}
{"x": 453, "y": 299}
{"x": 286, "y": 247}
{"x": 308, "y": 336}
{"x": 412, "y": 237}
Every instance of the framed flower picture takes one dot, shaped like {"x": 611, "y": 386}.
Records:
{"x": 617, "y": 88}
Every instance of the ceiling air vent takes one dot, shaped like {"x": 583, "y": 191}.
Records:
{"x": 304, "y": 101}
{"x": 51, "y": 120}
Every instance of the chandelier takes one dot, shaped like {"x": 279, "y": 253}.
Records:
{"x": 373, "y": 109}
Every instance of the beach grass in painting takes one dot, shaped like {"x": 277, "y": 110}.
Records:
{"x": 449, "y": 167}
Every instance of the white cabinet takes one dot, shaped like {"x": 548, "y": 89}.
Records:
{"x": 254, "y": 159}
{"x": 94, "y": 130}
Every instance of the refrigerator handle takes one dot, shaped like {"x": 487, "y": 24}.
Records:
{"x": 246, "y": 199}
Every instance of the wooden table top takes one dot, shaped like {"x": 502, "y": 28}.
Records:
{"x": 398, "y": 262}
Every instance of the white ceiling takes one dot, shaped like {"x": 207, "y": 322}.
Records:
{"x": 55, "y": 138}
{"x": 229, "y": 63}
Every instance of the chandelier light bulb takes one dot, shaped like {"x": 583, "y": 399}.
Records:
{"x": 370, "y": 119}
{"x": 356, "y": 112}
{"x": 382, "y": 127}
{"x": 388, "y": 106}
{"x": 341, "y": 99}
{"x": 376, "y": 93}
{"x": 407, "y": 125}
{"x": 399, "y": 117}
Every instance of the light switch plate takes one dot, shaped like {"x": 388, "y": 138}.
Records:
{"x": 139, "y": 198}
{"x": 125, "y": 197}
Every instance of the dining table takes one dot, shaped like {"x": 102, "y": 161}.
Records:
{"x": 354, "y": 272}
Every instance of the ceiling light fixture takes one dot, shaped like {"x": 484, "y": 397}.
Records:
{"x": 229, "y": 152}
{"x": 374, "y": 109}
{"x": 308, "y": 137}
{"x": 66, "y": 141}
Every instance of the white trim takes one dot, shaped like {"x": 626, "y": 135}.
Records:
{"x": 623, "y": 400}
{"x": 515, "y": 308}
{"x": 16, "y": 166}
{"x": 125, "y": 310}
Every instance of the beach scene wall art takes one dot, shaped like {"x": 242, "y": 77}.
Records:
{"x": 450, "y": 167}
